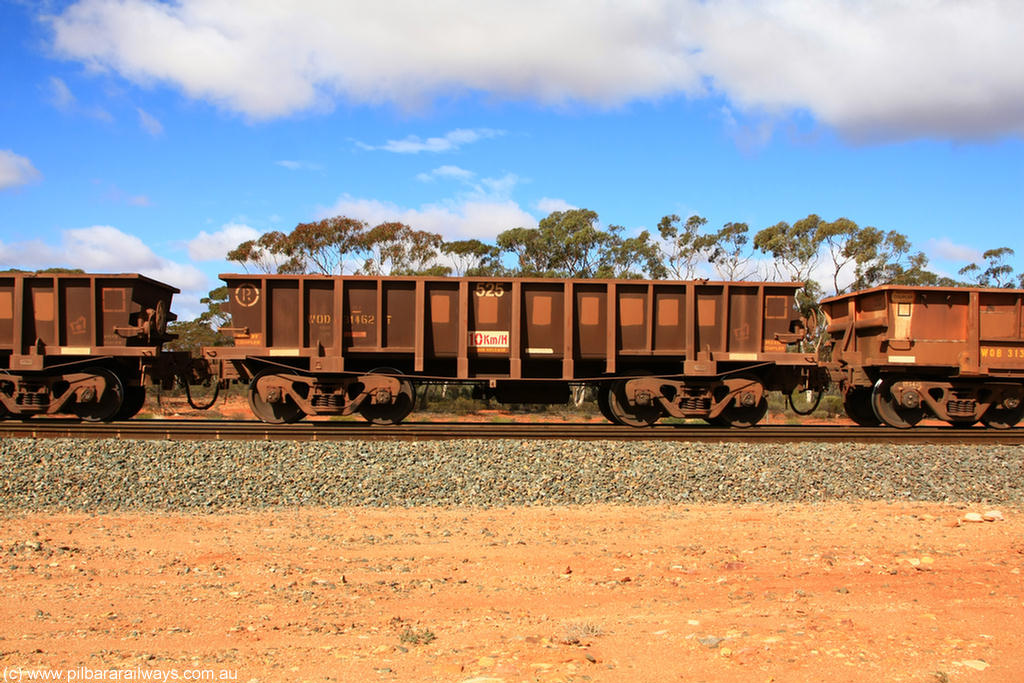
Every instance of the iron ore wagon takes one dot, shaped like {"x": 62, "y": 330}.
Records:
{"x": 81, "y": 343}
{"x": 316, "y": 345}
{"x": 901, "y": 353}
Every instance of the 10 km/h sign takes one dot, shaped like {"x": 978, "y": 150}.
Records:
{"x": 491, "y": 341}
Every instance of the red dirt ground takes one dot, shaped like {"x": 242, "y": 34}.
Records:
{"x": 827, "y": 592}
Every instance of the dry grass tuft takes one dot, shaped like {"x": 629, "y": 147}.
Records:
{"x": 576, "y": 632}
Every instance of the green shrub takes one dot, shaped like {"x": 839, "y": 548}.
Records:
{"x": 416, "y": 636}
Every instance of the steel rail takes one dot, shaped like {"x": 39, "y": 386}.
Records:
{"x": 190, "y": 430}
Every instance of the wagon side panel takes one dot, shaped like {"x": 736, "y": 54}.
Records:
{"x": 10, "y": 310}
{"x": 950, "y": 331}
{"x": 1001, "y": 331}
{"x": 246, "y": 305}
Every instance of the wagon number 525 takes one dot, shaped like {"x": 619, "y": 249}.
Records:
{"x": 490, "y": 289}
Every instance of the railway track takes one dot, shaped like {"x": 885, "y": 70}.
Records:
{"x": 180, "y": 430}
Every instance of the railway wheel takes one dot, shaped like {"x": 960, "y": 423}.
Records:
{"x": 743, "y": 416}
{"x": 104, "y": 407}
{"x": 890, "y": 411}
{"x": 134, "y": 399}
{"x": 390, "y": 413}
{"x": 283, "y": 411}
{"x": 741, "y": 410}
{"x": 630, "y": 415}
{"x": 1003, "y": 418}
{"x": 857, "y": 404}
{"x": 603, "y": 402}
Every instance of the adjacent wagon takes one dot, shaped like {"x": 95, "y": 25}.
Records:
{"x": 78, "y": 343}
{"x": 901, "y": 353}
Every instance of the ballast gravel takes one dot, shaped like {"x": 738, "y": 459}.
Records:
{"x": 107, "y": 475}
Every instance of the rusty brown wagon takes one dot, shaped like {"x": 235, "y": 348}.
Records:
{"x": 85, "y": 344}
{"x": 321, "y": 345}
{"x": 901, "y": 353}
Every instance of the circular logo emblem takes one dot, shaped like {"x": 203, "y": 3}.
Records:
{"x": 247, "y": 294}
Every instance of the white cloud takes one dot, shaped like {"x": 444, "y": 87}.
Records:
{"x": 824, "y": 272}
{"x": 547, "y": 205}
{"x": 448, "y": 142}
{"x": 500, "y": 187}
{"x": 60, "y": 94}
{"x": 749, "y": 135}
{"x": 946, "y": 249}
{"x": 292, "y": 165}
{"x": 452, "y": 172}
{"x": 457, "y": 219}
{"x": 214, "y": 246}
{"x": 150, "y": 123}
{"x": 268, "y": 59}
{"x": 870, "y": 68}
{"x": 113, "y": 193}
{"x": 102, "y": 249}
{"x": 105, "y": 249}
{"x": 16, "y": 170}
{"x": 474, "y": 188}
{"x": 64, "y": 100}
{"x": 876, "y": 68}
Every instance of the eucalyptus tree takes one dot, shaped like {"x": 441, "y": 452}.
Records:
{"x": 473, "y": 257}
{"x": 996, "y": 272}
{"x": 269, "y": 253}
{"x": 573, "y": 244}
{"x": 683, "y": 247}
{"x": 394, "y": 248}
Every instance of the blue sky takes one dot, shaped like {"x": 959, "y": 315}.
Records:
{"x": 144, "y": 136}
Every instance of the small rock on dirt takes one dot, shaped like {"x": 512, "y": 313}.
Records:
{"x": 976, "y": 664}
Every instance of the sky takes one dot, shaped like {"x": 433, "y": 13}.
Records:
{"x": 152, "y": 137}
